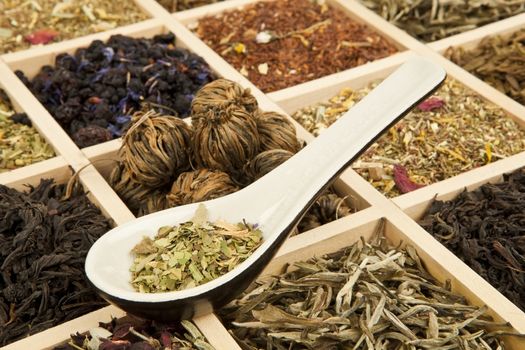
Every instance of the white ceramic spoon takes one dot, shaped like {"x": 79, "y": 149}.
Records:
{"x": 276, "y": 202}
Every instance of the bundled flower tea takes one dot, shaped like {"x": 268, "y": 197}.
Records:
{"x": 230, "y": 144}
{"x": 367, "y": 296}
{"x": 45, "y": 234}
{"x": 20, "y": 143}
{"x": 181, "y": 5}
{"x": 93, "y": 93}
{"x": 496, "y": 60}
{"x": 192, "y": 253}
{"x": 278, "y": 44}
{"x": 430, "y": 20}
{"x": 451, "y": 132}
{"x": 129, "y": 333}
{"x": 484, "y": 228}
{"x": 26, "y": 23}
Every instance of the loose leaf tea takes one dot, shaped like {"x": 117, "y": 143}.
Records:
{"x": 496, "y": 60}
{"x": 45, "y": 234}
{"x": 192, "y": 253}
{"x": 366, "y": 296}
{"x": 181, "y": 5}
{"x": 451, "y": 132}
{"x": 484, "y": 228}
{"x": 93, "y": 93}
{"x": 25, "y": 23}
{"x": 430, "y": 20}
{"x": 20, "y": 143}
{"x": 229, "y": 144}
{"x": 130, "y": 333}
{"x": 278, "y": 44}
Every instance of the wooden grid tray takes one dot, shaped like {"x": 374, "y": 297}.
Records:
{"x": 399, "y": 212}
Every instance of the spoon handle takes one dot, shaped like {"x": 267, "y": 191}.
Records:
{"x": 293, "y": 186}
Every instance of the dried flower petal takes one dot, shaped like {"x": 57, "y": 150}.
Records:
{"x": 403, "y": 182}
{"x": 431, "y": 103}
{"x": 42, "y": 36}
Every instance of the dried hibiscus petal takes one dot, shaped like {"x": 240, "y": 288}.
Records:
{"x": 431, "y": 103}
{"x": 42, "y": 36}
{"x": 403, "y": 182}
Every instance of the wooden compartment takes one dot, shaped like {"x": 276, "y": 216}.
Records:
{"x": 93, "y": 163}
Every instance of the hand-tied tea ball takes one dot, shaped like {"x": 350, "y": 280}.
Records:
{"x": 200, "y": 185}
{"x": 265, "y": 162}
{"x": 328, "y": 207}
{"x": 155, "y": 148}
{"x": 276, "y": 132}
{"x": 226, "y": 135}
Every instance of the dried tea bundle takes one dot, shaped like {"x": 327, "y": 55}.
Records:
{"x": 192, "y": 253}
{"x": 278, "y": 44}
{"x": 25, "y": 23}
{"x": 366, "y": 296}
{"x": 155, "y": 148}
{"x": 181, "y": 5}
{"x": 484, "y": 228}
{"x": 20, "y": 143}
{"x": 327, "y": 208}
{"x": 276, "y": 132}
{"x": 93, "y": 93}
{"x": 265, "y": 162}
{"x": 45, "y": 235}
{"x": 430, "y": 20}
{"x": 200, "y": 185}
{"x": 451, "y": 132}
{"x": 130, "y": 333}
{"x": 496, "y": 60}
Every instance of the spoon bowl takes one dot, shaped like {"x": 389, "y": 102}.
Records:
{"x": 276, "y": 202}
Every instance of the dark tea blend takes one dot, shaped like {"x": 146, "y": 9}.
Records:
{"x": 45, "y": 234}
{"x": 192, "y": 253}
{"x": 485, "y": 228}
{"x": 430, "y": 20}
{"x": 230, "y": 144}
{"x": 278, "y": 44}
{"x": 496, "y": 60}
{"x": 130, "y": 333}
{"x": 93, "y": 93}
{"x": 20, "y": 143}
{"x": 451, "y": 132}
{"x": 366, "y": 296}
{"x": 181, "y": 5}
{"x": 26, "y": 23}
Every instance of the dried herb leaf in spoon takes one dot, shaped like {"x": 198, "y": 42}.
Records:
{"x": 192, "y": 253}
{"x": 367, "y": 296}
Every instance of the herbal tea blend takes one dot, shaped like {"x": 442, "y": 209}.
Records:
{"x": 131, "y": 333}
{"x": 181, "y": 5}
{"x": 26, "y": 23}
{"x": 366, "y": 296}
{"x": 230, "y": 144}
{"x": 278, "y": 44}
{"x": 484, "y": 228}
{"x": 430, "y": 20}
{"x": 496, "y": 60}
{"x": 93, "y": 93}
{"x": 45, "y": 234}
{"x": 20, "y": 143}
{"x": 451, "y": 132}
{"x": 192, "y": 253}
